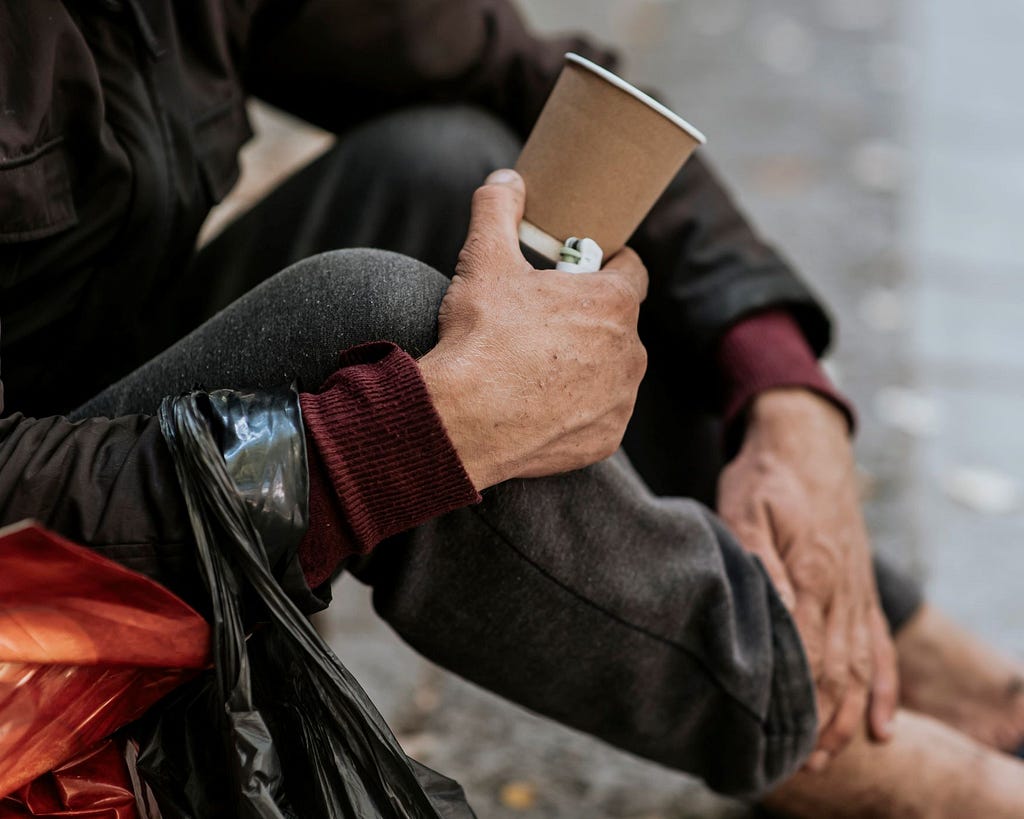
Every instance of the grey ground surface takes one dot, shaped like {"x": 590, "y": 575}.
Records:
{"x": 879, "y": 143}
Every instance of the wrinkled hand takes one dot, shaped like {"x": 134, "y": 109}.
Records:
{"x": 535, "y": 372}
{"x": 791, "y": 498}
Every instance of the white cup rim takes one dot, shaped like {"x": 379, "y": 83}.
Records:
{"x": 646, "y": 99}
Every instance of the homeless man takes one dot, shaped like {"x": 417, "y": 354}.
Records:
{"x": 731, "y": 649}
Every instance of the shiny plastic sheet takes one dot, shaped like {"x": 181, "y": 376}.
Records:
{"x": 282, "y": 729}
{"x": 93, "y": 785}
{"x": 86, "y": 646}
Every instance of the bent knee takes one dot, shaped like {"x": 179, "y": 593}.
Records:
{"x": 367, "y": 294}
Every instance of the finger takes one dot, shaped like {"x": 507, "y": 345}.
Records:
{"x": 834, "y": 679}
{"x": 494, "y": 223}
{"x": 886, "y": 684}
{"x": 846, "y": 723}
{"x": 758, "y": 540}
{"x": 811, "y": 623}
{"x": 627, "y": 265}
{"x": 851, "y": 714}
{"x": 859, "y": 665}
{"x": 751, "y": 523}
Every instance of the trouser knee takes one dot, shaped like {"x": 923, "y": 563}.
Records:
{"x": 348, "y": 297}
{"x": 291, "y": 328}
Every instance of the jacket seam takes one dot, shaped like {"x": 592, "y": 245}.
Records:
{"x": 10, "y": 163}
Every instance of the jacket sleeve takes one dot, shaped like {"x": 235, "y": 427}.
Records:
{"x": 338, "y": 63}
{"x": 380, "y": 458}
{"x": 105, "y": 483}
{"x": 111, "y": 485}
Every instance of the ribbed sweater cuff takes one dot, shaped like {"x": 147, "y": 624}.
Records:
{"x": 768, "y": 351}
{"x": 380, "y": 461}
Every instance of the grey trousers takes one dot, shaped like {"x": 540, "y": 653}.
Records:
{"x": 586, "y": 597}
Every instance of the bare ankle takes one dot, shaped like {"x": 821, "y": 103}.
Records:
{"x": 927, "y": 771}
{"x": 953, "y": 676}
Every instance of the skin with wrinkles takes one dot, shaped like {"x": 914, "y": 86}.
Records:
{"x": 950, "y": 674}
{"x": 791, "y": 497}
{"x": 535, "y": 372}
{"x": 928, "y": 771}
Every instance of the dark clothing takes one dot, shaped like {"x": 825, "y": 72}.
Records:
{"x": 121, "y": 126}
{"x": 404, "y": 183}
{"x": 581, "y": 596}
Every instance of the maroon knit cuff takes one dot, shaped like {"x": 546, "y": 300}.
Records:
{"x": 380, "y": 461}
{"x": 767, "y": 351}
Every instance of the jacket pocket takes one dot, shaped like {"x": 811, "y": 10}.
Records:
{"x": 219, "y": 135}
{"x": 35, "y": 194}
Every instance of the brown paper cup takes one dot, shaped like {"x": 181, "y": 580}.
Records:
{"x": 598, "y": 158}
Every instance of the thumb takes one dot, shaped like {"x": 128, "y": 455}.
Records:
{"x": 494, "y": 224}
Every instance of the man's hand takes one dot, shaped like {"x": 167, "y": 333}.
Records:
{"x": 791, "y": 498}
{"x": 535, "y": 371}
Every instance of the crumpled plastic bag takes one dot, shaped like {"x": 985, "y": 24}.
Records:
{"x": 94, "y": 785}
{"x": 280, "y": 729}
{"x": 86, "y": 646}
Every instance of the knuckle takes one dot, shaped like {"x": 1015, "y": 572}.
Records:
{"x": 885, "y": 648}
{"x": 608, "y": 440}
{"x": 884, "y": 688}
{"x": 842, "y": 733}
{"x": 767, "y": 464}
{"x": 760, "y": 498}
{"x": 639, "y": 360}
{"x": 834, "y": 678}
{"x": 632, "y": 359}
{"x": 619, "y": 296}
{"x": 815, "y": 659}
{"x": 862, "y": 662}
{"x": 861, "y": 669}
{"x": 815, "y": 568}
{"x": 628, "y": 261}
{"x": 611, "y": 444}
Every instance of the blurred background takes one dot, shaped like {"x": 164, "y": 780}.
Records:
{"x": 880, "y": 145}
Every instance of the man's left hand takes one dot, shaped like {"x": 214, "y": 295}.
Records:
{"x": 791, "y": 497}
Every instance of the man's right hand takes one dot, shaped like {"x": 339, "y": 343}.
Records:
{"x": 535, "y": 371}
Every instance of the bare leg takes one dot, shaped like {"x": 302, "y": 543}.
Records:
{"x": 927, "y": 771}
{"x": 951, "y": 675}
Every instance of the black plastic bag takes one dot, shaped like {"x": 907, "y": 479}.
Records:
{"x": 280, "y": 728}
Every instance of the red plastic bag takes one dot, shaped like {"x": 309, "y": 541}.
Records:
{"x": 93, "y": 785}
{"x": 86, "y": 646}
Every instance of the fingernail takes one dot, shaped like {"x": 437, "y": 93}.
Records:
{"x": 502, "y": 177}
{"x": 818, "y": 761}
